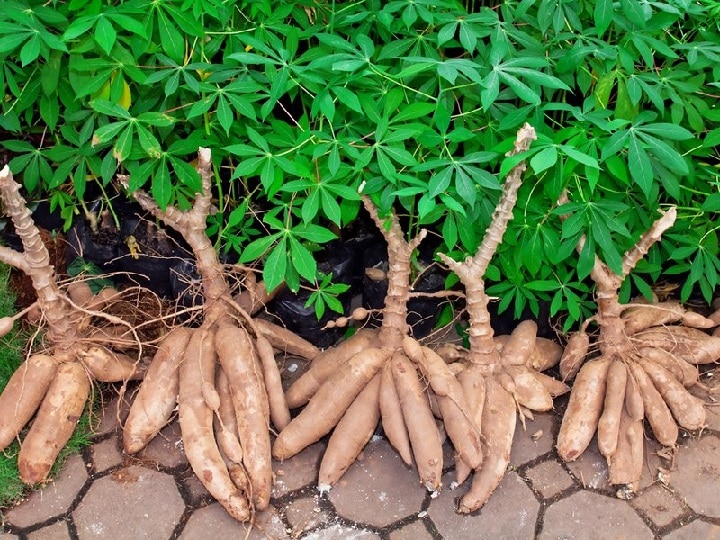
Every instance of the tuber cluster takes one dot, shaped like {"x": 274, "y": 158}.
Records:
{"x": 222, "y": 375}
{"x": 648, "y": 357}
{"x": 54, "y": 383}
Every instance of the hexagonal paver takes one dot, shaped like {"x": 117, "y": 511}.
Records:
{"x": 709, "y": 395}
{"x": 378, "y": 490}
{"x": 696, "y": 529}
{"x": 194, "y": 488}
{"x": 305, "y": 513}
{"x": 588, "y": 515}
{"x": 697, "y": 478}
{"x": 166, "y": 449}
{"x": 549, "y": 478}
{"x": 111, "y": 413}
{"x": 56, "y": 531}
{"x": 106, "y": 455}
{"x": 659, "y": 504}
{"x": 54, "y": 499}
{"x": 511, "y": 507}
{"x": 140, "y": 502}
{"x": 533, "y": 441}
{"x": 341, "y": 532}
{"x": 590, "y": 469}
{"x": 414, "y": 531}
{"x": 298, "y": 471}
{"x": 214, "y": 522}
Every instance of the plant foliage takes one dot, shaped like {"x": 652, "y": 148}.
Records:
{"x": 411, "y": 101}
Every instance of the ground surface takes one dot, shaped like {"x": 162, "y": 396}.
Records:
{"x": 105, "y": 494}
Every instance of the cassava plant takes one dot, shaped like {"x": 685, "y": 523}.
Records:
{"x": 52, "y": 386}
{"x": 381, "y": 376}
{"x": 369, "y": 376}
{"x": 647, "y": 357}
{"x": 222, "y": 375}
{"x": 500, "y": 378}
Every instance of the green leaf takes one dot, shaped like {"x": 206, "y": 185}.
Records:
{"x": 633, "y": 10}
{"x": 314, "y": 233}
{"x": 331, "y": 207}
{"x": 640, "y": 166}
{"x": 130, "y": 24}
{"x": 275, "y": 269}
{"x": 123, "y": 144}
{"x": 224, "y": 114}
{"x": 603, "y": 15}
{"x": 49, "y": 110}
{"x": 666, "y": 131}
{"x": 148, "y": 142}
{"x": 31, "y": 50}
{"x": 544, "y": 159}
{"x": 171, "y": 40}
{"x": 413, "y": 111}
{"x": 109, "y": 108}
{"x": 78, "y": 27}
{"x": 465, "y": 187}
{"x": 580, "y": 157}
{"x": 302, "y": 260}
{"x": 257, "y": 248}
{"x": 666, "y": 154}
{"x": 347, "y": 98}
{"x": 105, "y": 35}
{"x": 440, "y": 181}
{"x": 158, "y": 119}
{"x": 161, "y": 187}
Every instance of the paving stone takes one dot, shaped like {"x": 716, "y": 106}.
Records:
{"x": 214, "y": 522}
{"x": 549, "y": 478}
{"x": 109, "y": 415}
{"x": 298, "y": 471}
{"x": 166, "y": 449}
{"x": 56, "y": 531}
{"x": 305, "y": 513}
{"x": 710, "y": 396}
{"x": 591, "y": 516}
{"x": 659, "y": 504}
{"x": 134, "y": 502}
{"x": 341, "y": 532}
{"x": 697, "y": 478}
{"x": 378, "y": 490}
{"x": 695, "y": 530}
{"x": 414, "y": 531}
{"x": 194, "y": 488}
{"x": 54, "y": 499}
{"x": 106, "y": 455}
{"x": 8, "y": 536}
{"x": 590, "y": 469}
{"x": 512, "y": 505}
{"x": 525, "y": 448}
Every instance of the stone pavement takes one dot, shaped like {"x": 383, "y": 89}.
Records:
{"x": 105, "y": 494}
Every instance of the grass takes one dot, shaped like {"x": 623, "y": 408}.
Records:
{"x": 12, "y": 350}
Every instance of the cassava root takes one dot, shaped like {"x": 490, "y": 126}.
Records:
{"x": 648, "y": 352}
{"x": 222, "y": 376}
{"x": 52, "y": 386}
